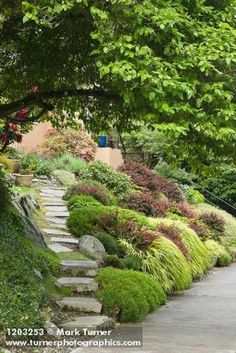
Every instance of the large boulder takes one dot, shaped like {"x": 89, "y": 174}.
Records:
{"x": 26, "y": 205}
{"x": 92, "y": 247}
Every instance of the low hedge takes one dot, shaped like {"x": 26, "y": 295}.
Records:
{"x": 128, "y": 296}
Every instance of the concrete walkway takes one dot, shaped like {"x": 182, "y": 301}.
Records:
{"x": 200, "y": 320}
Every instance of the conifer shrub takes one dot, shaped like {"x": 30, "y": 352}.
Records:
{"x": 81, "y": 201}
{"x": 128, "y": 296}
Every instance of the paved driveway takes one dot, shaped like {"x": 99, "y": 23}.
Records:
{"x": 199, "y": 320}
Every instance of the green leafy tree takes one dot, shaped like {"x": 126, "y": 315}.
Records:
{"x": 118, "y": 62}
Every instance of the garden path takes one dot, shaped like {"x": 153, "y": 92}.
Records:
{"x": 78, "y": 275}
{"x": 199, "y": 320}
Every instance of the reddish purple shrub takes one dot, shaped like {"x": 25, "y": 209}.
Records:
{"x": 140, "y": 174}
{"x": 148, "y": 179}
{"x": 145, "y": 203}
{"x": 200, "y": 228}
{"x": 162, "y": 207}
{"x": 86, "y": 189}
{"x": 173, "y": 234}
{"x": 169, "y": 189}
{"x": 139, "y": 235}
{"x": 213, "y": 221}
{"x": 186, "y": 210}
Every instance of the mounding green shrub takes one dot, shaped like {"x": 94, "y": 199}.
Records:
{"x": 118, "y": 183}
{"x": 88, "y": 219}
{"x": 165, "y": 262}
{"x": 219, "y": 255}
{"x": 113, "y": 220}
{"x": 81, "y": 201}
{"x": 128, "y": 296}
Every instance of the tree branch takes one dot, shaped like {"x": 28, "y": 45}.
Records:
{"x": 38, "y": 97}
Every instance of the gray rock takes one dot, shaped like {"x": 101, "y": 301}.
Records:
{"x": 58, "y": 208}
{"x": 26, "y": 205}
{"x": 51, "y": 329}
{"x": 38, "y": 273}
{"x": 92, "y": 247}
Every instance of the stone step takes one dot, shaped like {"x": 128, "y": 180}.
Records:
{"x": 82, "y": 284}
{"x": 53, "y": 191}
{"x": 55, "y": 220}
{"x": 59, "y": 248}
{"x": 80, "y": 267}
{"x": 59, "y": 208}
{"x": 52, "y": 188}
{"x": 55, "y": 232}
{"x": 52, "y": 196}
{"x": 57, "y": 214}
{"x": 48, "y": 203}
{"x": 96, "y": 322}
{"x": 65, "y": 240}
{"x": 82, "y": 304}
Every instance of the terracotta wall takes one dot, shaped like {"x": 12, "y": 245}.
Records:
{"x": 32, "y": 142}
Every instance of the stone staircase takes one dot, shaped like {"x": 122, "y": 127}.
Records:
{"x": 79, "y": 275}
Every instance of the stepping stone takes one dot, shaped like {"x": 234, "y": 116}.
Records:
{"x": 59, "y": 248}
{"x": 56, "y": 208}
{"x": 65, "y": 240}
{"x": 55, "y": 232}
{"x": 96, "y": 322}
{"x": 83, "y": 304}
{"x": 58, "y": 221}
{"x": 80, "y": 267}
{"x": 82, "y": 284}
{"x": 57, "y": 214}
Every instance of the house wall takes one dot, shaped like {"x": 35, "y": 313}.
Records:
{"x": 32, "y": 142}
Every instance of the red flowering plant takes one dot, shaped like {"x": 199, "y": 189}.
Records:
{"x": 10, "y": 133}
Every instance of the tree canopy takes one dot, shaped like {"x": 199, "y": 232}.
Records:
{"x": 169, "y": 64}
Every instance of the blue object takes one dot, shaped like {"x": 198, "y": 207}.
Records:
{"x": 102, "y": 141}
